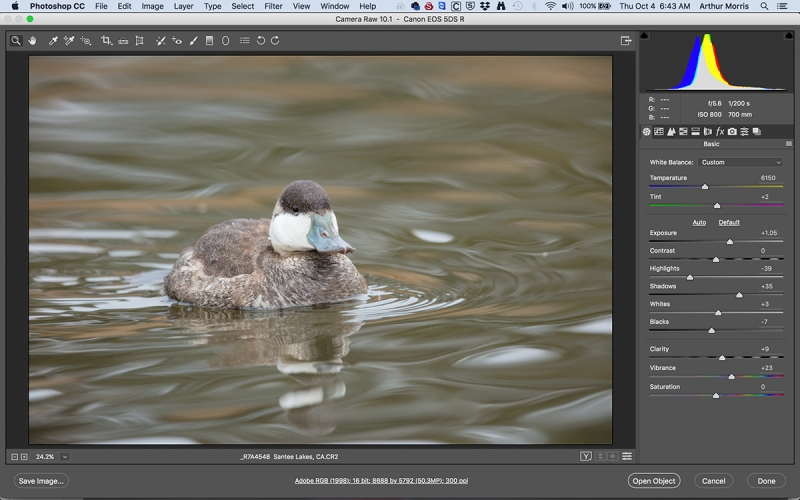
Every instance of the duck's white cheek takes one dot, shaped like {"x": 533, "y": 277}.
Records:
{"x": 335, "y": 224}
{"x": 290, "y": 232}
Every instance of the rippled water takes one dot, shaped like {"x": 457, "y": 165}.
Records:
{"x": 477, "y": 191}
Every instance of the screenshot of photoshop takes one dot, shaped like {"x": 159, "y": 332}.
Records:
{"x": 501, "y": 249}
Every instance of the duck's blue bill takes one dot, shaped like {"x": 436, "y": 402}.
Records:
{"x": 324, "y": 237}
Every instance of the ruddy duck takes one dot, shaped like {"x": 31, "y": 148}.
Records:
{"x": 295, "y": 259}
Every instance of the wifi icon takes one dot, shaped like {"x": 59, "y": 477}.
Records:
{"x": 550, "y": 5}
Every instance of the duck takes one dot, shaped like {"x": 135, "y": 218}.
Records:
{"x": 294, "y": 259}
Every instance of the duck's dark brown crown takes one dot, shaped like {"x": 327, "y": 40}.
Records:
{"x": 303, "y": 197}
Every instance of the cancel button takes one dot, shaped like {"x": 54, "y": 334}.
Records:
{"x": 713, "y": 480}
{"x": 766, "y": 480}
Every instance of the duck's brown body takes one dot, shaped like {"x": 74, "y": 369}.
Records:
{"x": 234, "y": 266}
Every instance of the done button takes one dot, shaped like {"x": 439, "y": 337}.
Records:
{"x": 766, "y": 480}
{"x": 662, "y": 480}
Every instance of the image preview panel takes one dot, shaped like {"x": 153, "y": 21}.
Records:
{"x": 478, "y": 200}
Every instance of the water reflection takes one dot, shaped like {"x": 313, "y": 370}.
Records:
{"x": 476, "y": 189}
{"x": 306, "y": 344}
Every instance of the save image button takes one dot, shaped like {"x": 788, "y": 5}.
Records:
{"x": 41, "y": 480}
{"x": 651, "y": 480}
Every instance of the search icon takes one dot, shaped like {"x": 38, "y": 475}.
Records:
{"x": 764, "y": 6}
{"x": 16, "y": 40}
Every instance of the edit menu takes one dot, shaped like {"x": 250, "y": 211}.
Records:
{"x": 715, "y": 245}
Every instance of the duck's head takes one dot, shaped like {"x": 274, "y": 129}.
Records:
{"x": 303, "y": 221}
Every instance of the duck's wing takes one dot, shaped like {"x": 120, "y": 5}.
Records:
{"x": 230, "y": 248}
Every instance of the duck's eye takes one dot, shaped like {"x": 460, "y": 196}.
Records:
{"x": 295, "y": 209}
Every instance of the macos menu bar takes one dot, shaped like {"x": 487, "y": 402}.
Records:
{"x": 405, "y": 7}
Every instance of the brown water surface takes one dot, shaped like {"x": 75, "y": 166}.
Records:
{"x": 476, "y": 190}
